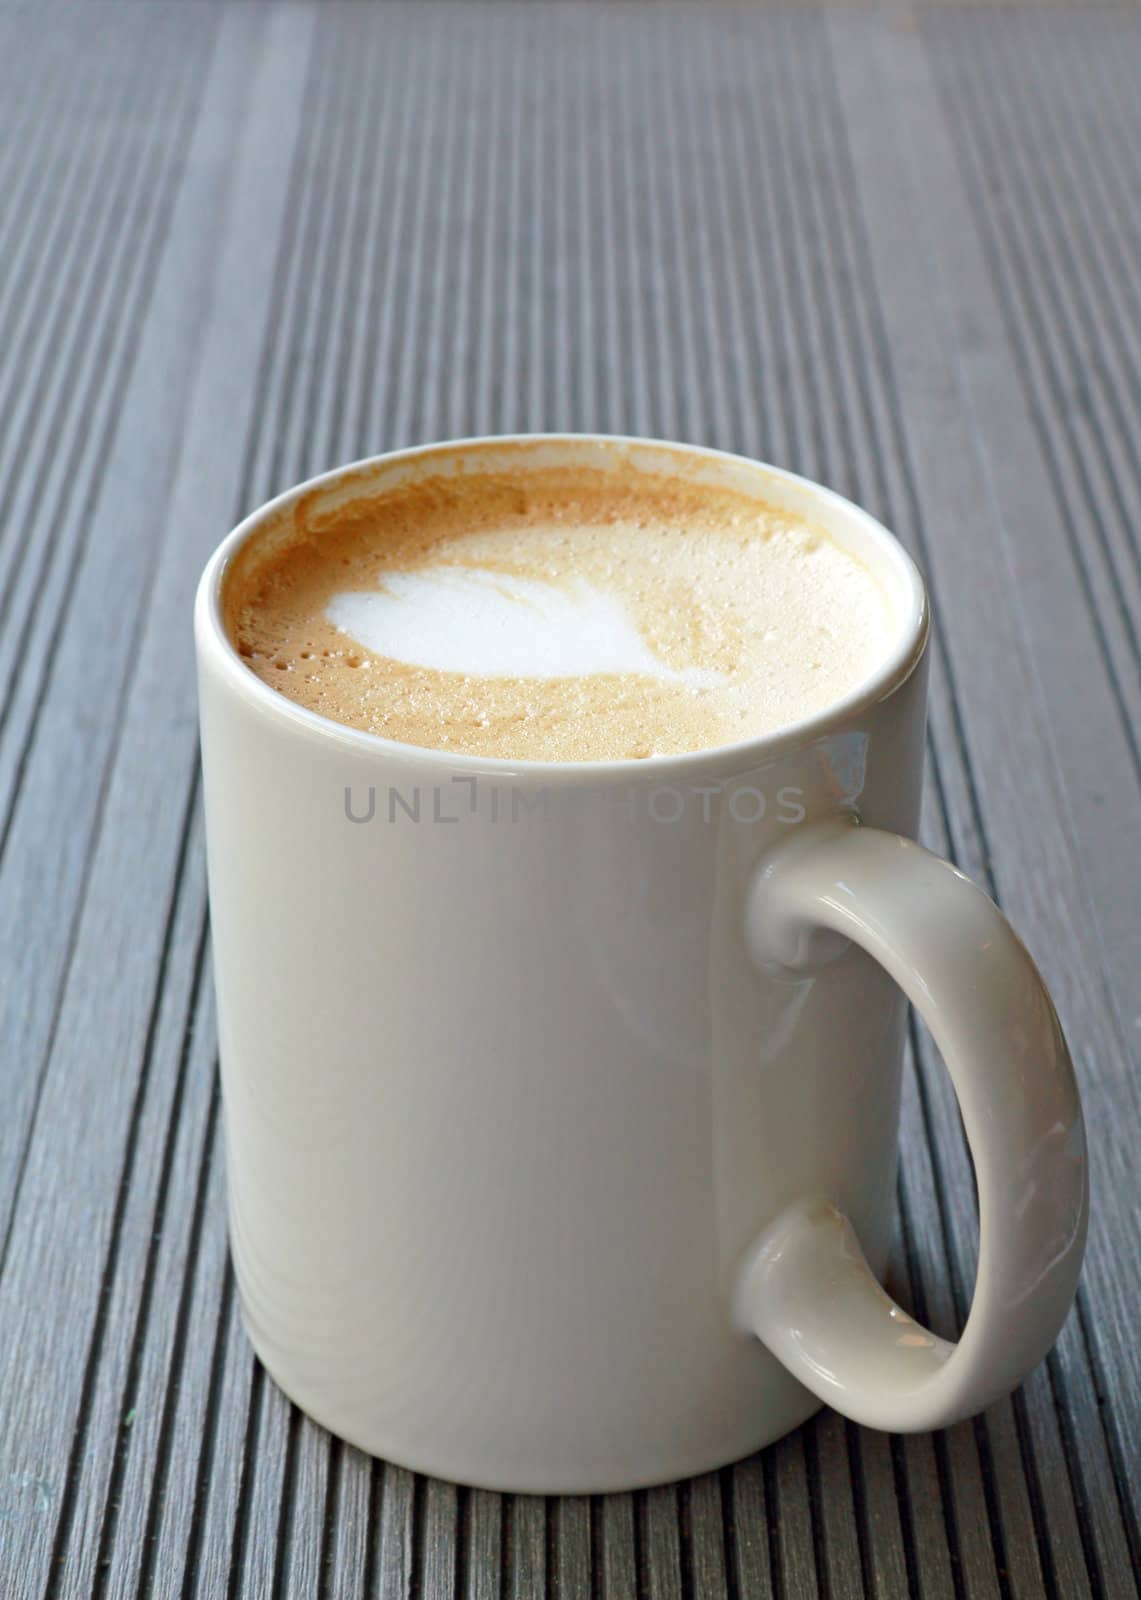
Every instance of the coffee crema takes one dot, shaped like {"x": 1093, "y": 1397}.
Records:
{"x": 569, "y": 614}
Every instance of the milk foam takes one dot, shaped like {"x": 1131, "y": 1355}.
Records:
{"x": 558, "y": 614}
{"x": 490, "y": 624}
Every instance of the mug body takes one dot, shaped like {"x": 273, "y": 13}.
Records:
{"x": 506, "y": 1097}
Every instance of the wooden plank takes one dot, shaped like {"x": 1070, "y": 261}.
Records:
{"x": 394, "y": 1562}
{"x": 657, "y": 1511}
{"x": 421, "y": 283}
{"x": 349, "y": 1555}
{"x": 572, "y": 1548}
{"x": 302, "y": 1547}
{"x": 483, "y": 1557}
{"x": 615, "y": 1545}
{"x": 525, "y": 1545}
{"x": 751, "y": 1563}
{"x": 706, "y": 1536}
{"x": 439, "y": 1544}
{"x": 792, "y": 1537}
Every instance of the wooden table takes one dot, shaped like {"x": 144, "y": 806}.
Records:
{"x": 895, "y": 249}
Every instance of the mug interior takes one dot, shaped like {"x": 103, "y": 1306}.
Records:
{"x": 324, "y": 501}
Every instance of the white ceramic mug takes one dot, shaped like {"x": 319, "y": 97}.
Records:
{"x": 562, "y": 1100}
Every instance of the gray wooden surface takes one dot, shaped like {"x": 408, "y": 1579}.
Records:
{"x": 895, "y": 249}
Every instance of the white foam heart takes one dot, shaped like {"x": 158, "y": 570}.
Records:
{"x": 496, "y": 625}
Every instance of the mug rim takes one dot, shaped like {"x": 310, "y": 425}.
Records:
{"x": 742, "y": 755}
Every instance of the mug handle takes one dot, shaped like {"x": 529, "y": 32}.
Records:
{"x": 806, "y": 1289}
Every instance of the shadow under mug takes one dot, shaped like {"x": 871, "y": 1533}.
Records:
{"x": 562, "y": 1100}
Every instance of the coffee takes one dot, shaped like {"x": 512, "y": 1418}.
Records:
{"x": 570, "y": 614}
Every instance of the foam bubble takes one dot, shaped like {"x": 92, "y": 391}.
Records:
{"x": 489, "y": 624}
